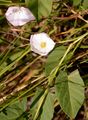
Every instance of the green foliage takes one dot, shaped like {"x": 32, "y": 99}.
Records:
{"x": 85, "y": 4}
{"x": 48, "y": 108}
{"x": 76, "y": 2}
{"x": 5, "y": 2}
{"x": 40, "y": 8}
{"x": 39, "y": 92}
{"x": 70, "y": 92}
{"x": 15, "y": 110}
{"x": 54, "y": 58}
{"x": 42, "y": 105}
{"x": 17, "y": 65}
{"x": 16, "y": 55}
{"x": 1, "y": 41}
{"x": 3, "y": 65}
{"x": 27, "y": 50}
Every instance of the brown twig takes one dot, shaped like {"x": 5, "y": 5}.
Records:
{"x": 75, "y": 13}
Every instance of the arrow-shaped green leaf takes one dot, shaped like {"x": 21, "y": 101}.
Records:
{"x": 70, "y": 92}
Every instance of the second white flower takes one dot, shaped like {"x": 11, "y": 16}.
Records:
{"x": 19, "y": 16}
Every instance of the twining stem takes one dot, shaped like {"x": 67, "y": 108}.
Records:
{"x": 54, "y": 71}
{"x": 41, "y": 100}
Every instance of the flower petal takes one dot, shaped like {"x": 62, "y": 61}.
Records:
{"x": 41, "y": 38}
{"x": 19, "y": 16}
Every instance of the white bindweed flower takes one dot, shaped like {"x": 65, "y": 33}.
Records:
{"x": 19, "y": 16}
{"x": 41, "y": 43}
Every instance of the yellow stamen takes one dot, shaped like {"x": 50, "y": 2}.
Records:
{"x": 43, "y": 44}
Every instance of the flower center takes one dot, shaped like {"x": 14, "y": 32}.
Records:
{"x": 43, "y": 44}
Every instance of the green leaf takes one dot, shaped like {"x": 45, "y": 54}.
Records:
{"x": 1, "y": 41}
{"x": 21, "y": 104}
{"x": 40, "y": 8}
{"x": 48, "y": 108}
{"x": 3, "y": 116}
{"x": 39, "y": 92}
{"x": 76, "y": 2}
{"x": 16, "y": 55}
{"x": 70, "y": 92}
{"x": 85, "y": 4}
{"x": 3, "y": 65}
{"x": 15, "y": 110}
{"x": 54, "y": 58}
